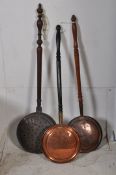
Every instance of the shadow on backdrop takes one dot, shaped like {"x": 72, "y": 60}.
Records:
{"x": 101, "y": 121}
{"x": 86, "y": 67}
{"x": 50, "y": 57}
{"x": 72, "y": 71}
{"x": 12, "y": 131}
{"x": 8, "y": 112}
{"x": 14, "y": 123}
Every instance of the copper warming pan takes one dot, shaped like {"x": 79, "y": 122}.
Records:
{"x": 31, "y": 127}
{"x": 89, "y": 129}
{"x": 61, "y": 142}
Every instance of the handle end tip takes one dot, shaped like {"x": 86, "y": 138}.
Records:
{"x": 58, "y": 27}
{"x": 73, "y": 18}
{"x": 40, "y": 9}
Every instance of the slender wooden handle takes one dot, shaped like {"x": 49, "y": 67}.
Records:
{"x": 77, "y": 63}
{"x": 39, "y": 58}
{"x": 58, "y": 66}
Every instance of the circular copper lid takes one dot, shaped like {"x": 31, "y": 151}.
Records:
{"x": 61, "y": 143}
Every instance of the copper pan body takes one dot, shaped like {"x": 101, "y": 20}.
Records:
{"x": 89, "y": 129}
{"x": 61, "y": 143}
{"x": 90, "y": 132}
{"x": 33, "y": 125}
{"x": 30, "y": 130}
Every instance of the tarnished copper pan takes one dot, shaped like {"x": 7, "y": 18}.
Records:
{"x": 89, "y": 129}
{"x": 61, "y": 142}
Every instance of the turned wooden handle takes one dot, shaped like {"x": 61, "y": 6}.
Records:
{"x": 77, "y": 63}
{"x": 58, "y": 67}
{"x": 39, "y": 57}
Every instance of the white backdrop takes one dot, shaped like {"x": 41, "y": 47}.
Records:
{"x": 97, "y": 45}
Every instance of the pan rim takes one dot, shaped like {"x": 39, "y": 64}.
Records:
{"x": 45, "y": 138}
{"x": 98, "y": 126}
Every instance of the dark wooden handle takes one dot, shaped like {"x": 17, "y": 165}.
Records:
{"x": 39, "y": 58}
{"x": 77, "y": 63}
{"x": 58, "y": 67}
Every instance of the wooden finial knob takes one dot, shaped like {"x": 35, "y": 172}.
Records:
{"x": 40, "y": 10}
{"x": 58, "y": 38}
{"x": 39, "y": 24}
{"x": 73, "y": 18}
{"x": 58, "y": 27}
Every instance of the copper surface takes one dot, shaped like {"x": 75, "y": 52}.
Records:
{"x": 30, "y": 130}
{"x": 61, "y": 143}
{"x": 32, "y": 126}
{"x": 89, "y": 131}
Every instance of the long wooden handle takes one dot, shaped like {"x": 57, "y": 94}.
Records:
{"x": 39, "y": 58}
{"x": 58, "y": 67}
{"x": 77, "y": 63}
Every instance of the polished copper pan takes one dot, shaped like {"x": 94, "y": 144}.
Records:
{"x": 89, "y": 129}
{"x": 60, "y": 142}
